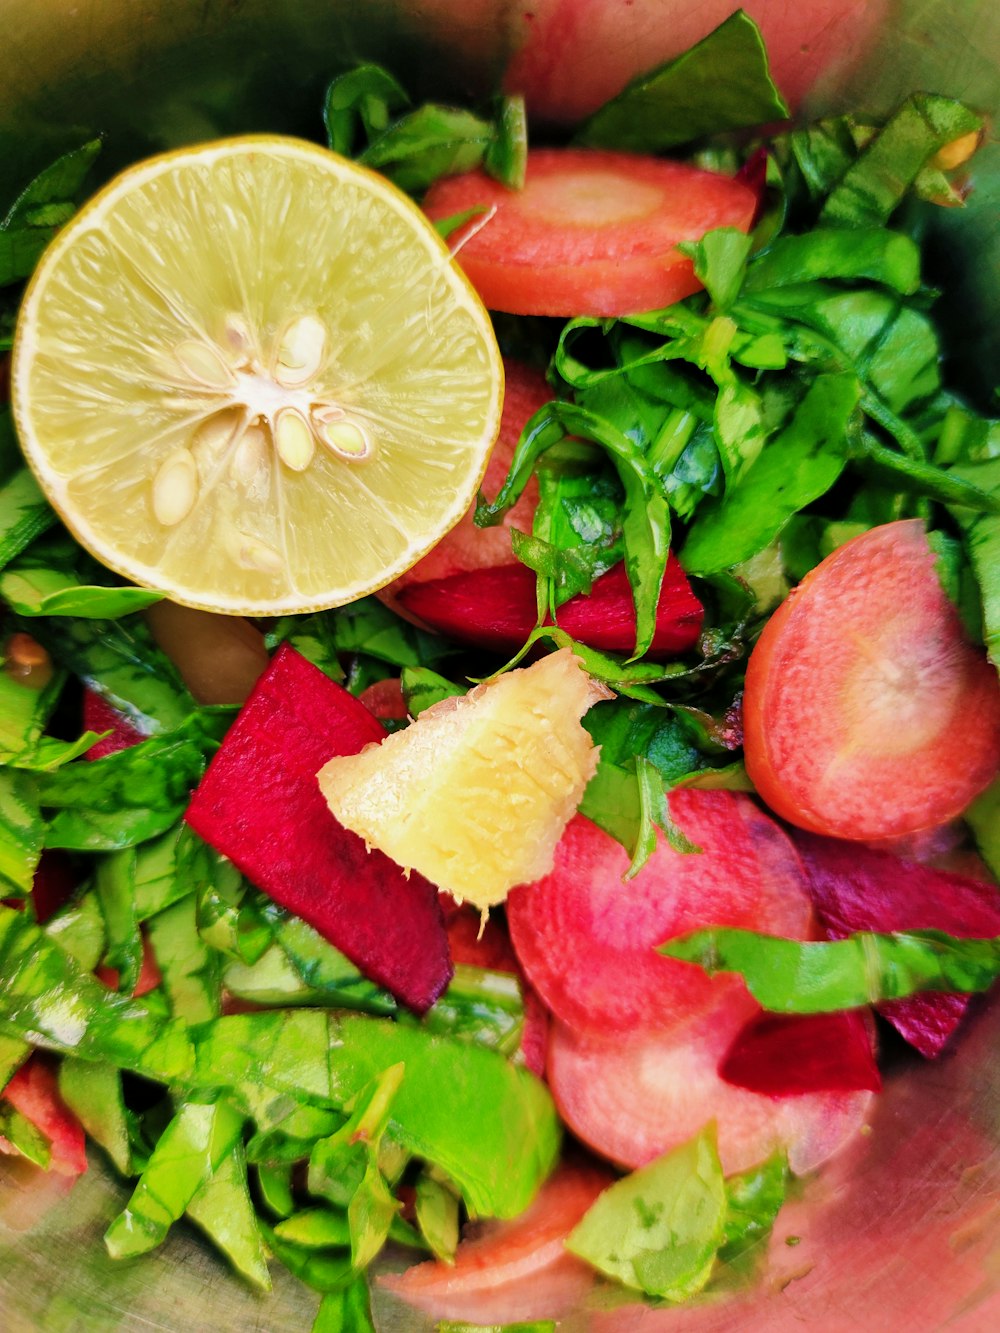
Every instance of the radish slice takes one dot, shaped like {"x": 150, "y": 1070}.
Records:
{"x": 34, "y": 1092}
{"x": 513, "y": 1270}
{"x": 260, "y": 805}
{"x": 591, "y": 232}
{"x": 587, "y": 940}
{"x": 496, "y": 608}
{"x": 858, "y": 888}
{"x": 634, "y": 1098}
{"x": 785, "y": 1055}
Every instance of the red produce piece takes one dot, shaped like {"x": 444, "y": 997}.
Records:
{"x": 98, "y": 715}
{"x": 858, "y": 888}
{"x": 260, "y": 805}
{"x": 867, "y": 712}
{"x": 148, "y": 979}
{"x": 53, "y": 884}
{"x": 34, "y": 1091}
{"x": 587, "y": 940}
{"x": 384, "y": 700}
{"x": 490, "y": 947}
{"x": 495, "y": 608}
{"x": 591, "y": 232}
{"x": 516, "y": 1270}
{"x": 467, "y": 547}
{"x": 782, "y": 1055}
{"x": 634, "y": 1097}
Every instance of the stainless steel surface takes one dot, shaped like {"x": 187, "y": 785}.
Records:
{"x": 903, "y": 1232}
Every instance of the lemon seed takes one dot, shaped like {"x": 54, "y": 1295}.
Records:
{"x": 175, "y": 488}
{"x": 294, "y": 439}
{"x": 301, "y": 351}
{"x": 203, "y": 364}
{"x": 345, "y": 439}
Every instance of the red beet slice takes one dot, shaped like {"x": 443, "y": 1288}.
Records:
{"x": 53, "y": 884}
{"x": 783, "y": 1055}
{"x": 98, "y": 715}
{"x": 854, "y": 887}
{"x": 516, "y": 1270}
{"x": 634, "y": 1097}
{"x": 384, "y": 700}
{"x": 496, "y": 608}
{"x": 34, "y": 1092}
{"x": 587, "y": 940}
{"x": 260, "y": 805}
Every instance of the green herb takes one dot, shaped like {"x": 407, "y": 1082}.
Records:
{"x": 753, "y": 1201}
{"x": 222, "y": 1208}
{"x": 23, "y": 1135}
{"x": 21, "y": 832}
{"x": 93, "y": 1092}
{"x": 365, "y": 98}
{"x": 115, "y": 891}
{"x": 345, "y": 1311}
{"x": 789, "y": 977}
{"x": 437, "y": 1215}
{"x": 190, "y": 969}
{"x": 276, "y": 1189}
{"x": 660, "y": 1228}
{"x": 422, "y": 688}
{"x": 40, "y": 209}
{"x": 685, "y": 98}
{"x": 983, "y": 816}
{"x": 51, "y": 592}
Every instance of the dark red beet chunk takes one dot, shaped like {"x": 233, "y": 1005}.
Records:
{"x": 854, "y": 887}
{"x": 496, "y": 608}
{"x": 782, "y": 1055}
{"x": 98, "y": 715}
{"x": 53, "y": 884}
{"x": 260, "y": 805}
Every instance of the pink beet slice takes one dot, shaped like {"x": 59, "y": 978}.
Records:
{"x": 634, "y": 1097}
{"x": 784, "y": 1055}
{"x": 34, "y": 1092}
{"x": 516, "y": 1270}
{"x": 496, "y": 608}
{"x": 854, "y": 887}
{"x": 260, "y": 805}
{"x": 587, "y": 940}
{"x": 98, "y": 715}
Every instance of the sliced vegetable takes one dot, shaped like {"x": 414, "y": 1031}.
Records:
{"x": 497, "y": 608}
{"x": 260, "y": 805}
{"x": 633, "y": 1097}
{"x": 513, "y": 1270}
{"x": 856, "y": 888}
{"x": 34, "y": 1092}
{"x": 100, "y": 716}
{"x": 587, "y": 939}
{"x": 783, "y": 1055}
{"x": 591, "y": 233}
{"x": 867, "y": 713}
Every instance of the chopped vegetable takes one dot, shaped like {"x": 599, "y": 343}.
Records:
{"x": 784, "y": 1055}
{"x": 261, "y": 806}
{"x": 34, "y": 1092}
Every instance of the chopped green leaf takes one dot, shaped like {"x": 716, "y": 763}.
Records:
{"x": 753, "y": 1201}
{"x": 22, "y": 832}
{"x": 190, "y": 970}
{"x": 51, "y": 592}
{"x": 437, "y": 1215}
{"x": 222, "y": 1208}
{"x": 24, "y": 1135}
{"x": 428, "y": 143}
{"x": 366, "y": 97}
{"x": 93, "y": 1092}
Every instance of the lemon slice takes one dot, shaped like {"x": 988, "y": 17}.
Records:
{"x": 248, "y": 374}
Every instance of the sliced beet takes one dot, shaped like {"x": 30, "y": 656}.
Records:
{"x": 784, "y": 1055}
{"x": 854, "y": 887}
{"x": 633, "y": 1097}
{"x": 98, "y": 715}
{"x": 260, "y": 805}
{"x": 53, "y": 884}
{"x": 496, "y": 608}
{"x": 34, "y": 1091}
{"x": 587, "y": 939}
{"x": 516, "y": 1270}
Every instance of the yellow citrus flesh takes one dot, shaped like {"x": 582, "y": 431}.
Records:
{"x": 475, "y": 794}
{"x": 249, "y": 374}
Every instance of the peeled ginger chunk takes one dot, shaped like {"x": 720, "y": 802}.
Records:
{"x": 476, "y": 793}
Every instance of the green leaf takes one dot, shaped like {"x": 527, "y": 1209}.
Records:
{"x": 22, "y": 1134}
{"x": 80, "y": 931}
{"x": 276, "y": 1189}
{"x": 366, "y": 97}
{"x": 796, "y": 467}
{"x": 346, "y": 1311}
{"x": 51, "y": 592}
{"x": 21, "y": 832}
{"x": 983, "y": 817}
{"x": 479, "y": 1005}
{"x": 422, "y": 688}
{"x": 24, "y": 511}
{"x": 428, "y": 143}
{"x": 506, "y": 156}
{"x": 659, "y": 1229}
{"x": 316, "y": 1229}
{"x": 982, "y": 542}
{"x": 191, "y": 973}
{"x": 123, "y": 799}
{"x": 366, "y": 626}
{"x": 753, "y": 1201}
{"x": 190, "y": 1151}
{"x": 873, "y": 186}
{"x": 93, "y": 1092}
{"x": 24, "y": 712}
{"x": 437, "y": 1215}
{"x": 13, "y": 1054}
{"x": 685, "y": 98}
{"x": 875, "y": 254}
{"x": 789, "y": 977}
{"x": 223, "y": 1210}
{"x": 114, "y": 885}
{"x": 963, "y": 487}
{"x": 720, "y": 262}
{"x": 654, "y": 813}
{"x": 62, "y": 180}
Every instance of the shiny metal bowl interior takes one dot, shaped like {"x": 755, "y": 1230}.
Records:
{"x": 902, "y": 1231}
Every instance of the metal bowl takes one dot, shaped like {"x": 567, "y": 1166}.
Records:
{"x": 903, "y": 1230}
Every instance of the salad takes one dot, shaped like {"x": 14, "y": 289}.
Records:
{"x": 693, "y": 719}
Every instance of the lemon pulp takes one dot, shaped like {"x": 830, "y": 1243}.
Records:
{"x": 248, "y": 374}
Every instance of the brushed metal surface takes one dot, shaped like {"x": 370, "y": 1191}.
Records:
{"x": 903, "y": 1231}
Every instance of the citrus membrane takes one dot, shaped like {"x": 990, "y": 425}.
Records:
{"x": 247, "y": 373}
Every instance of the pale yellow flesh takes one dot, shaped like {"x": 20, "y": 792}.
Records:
{"x": 249, "y": 374}
{"x": 475, "y": 794}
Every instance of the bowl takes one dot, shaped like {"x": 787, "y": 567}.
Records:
{"x": 903, "y": 1229}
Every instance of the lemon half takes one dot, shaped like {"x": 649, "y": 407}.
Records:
{"x": 248, "y": 374}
